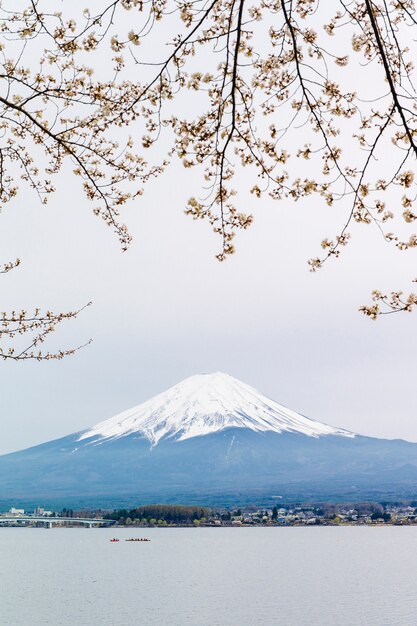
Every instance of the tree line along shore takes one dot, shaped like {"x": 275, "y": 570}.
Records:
{"x": 165, "y": 515}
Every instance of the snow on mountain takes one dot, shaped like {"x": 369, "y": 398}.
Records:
{"x": 205, "y": 404}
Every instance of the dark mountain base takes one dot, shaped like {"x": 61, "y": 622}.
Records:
{"x": 233, "y": 466}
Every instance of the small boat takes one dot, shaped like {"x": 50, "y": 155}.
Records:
{"x": 114, "y": 540}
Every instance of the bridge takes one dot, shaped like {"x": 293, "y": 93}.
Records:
{"x": 25, "y": 520}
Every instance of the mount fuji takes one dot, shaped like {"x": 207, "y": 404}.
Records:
{"x": 209, "y": 439}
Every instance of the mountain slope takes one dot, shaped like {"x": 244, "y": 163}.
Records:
{"x": 210, "y": 439}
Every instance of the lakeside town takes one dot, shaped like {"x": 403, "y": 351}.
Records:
{"x": 159, "y": 516}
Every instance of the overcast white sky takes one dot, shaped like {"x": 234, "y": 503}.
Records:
{"x": 167, "y": 309}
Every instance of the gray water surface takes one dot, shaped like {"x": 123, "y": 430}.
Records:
{"x": 349, "y": 576}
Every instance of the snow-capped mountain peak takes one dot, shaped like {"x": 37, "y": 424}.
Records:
{"x": 205, "y": 404}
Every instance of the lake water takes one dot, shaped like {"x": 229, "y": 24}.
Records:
{"x": 349, "y": 576}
